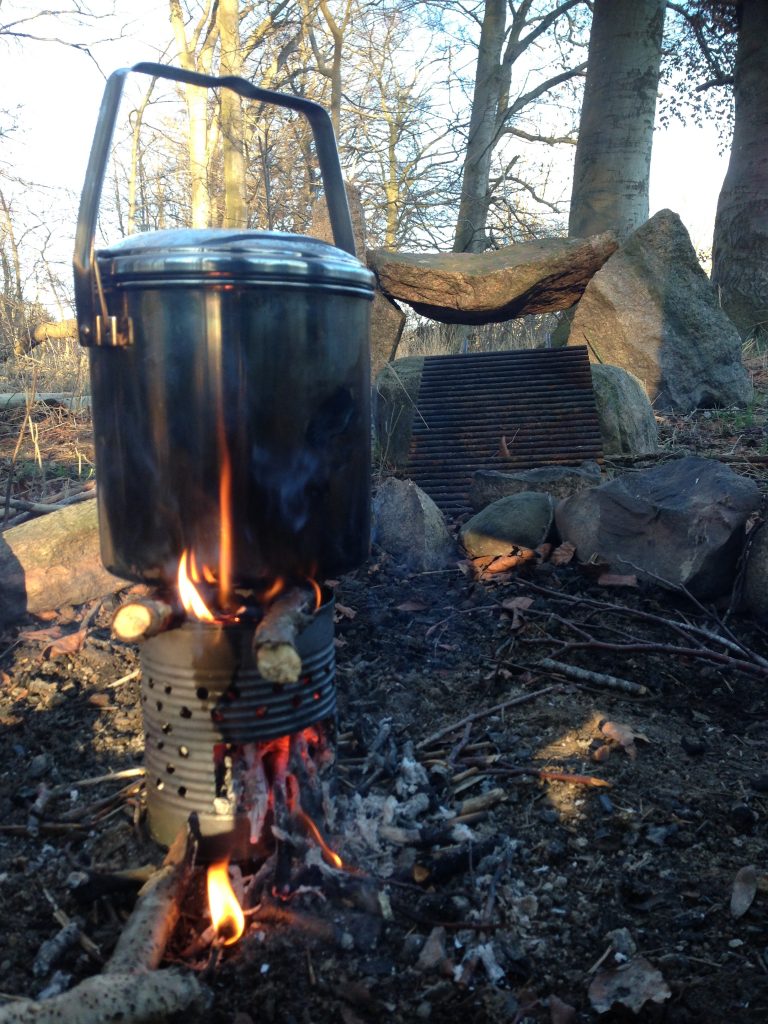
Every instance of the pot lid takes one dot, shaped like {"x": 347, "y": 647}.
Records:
{"x": 245, "y": 255}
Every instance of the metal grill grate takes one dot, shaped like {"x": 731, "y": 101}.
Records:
{"x": 500, "y": 410}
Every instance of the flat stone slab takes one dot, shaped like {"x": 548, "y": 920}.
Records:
{"x": 489, "y": 287}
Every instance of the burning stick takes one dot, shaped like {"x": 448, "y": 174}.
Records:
{"x": 274, "y": 640}
{"x": 138, "y": 620}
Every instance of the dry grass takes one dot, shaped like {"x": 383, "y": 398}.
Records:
{"x": 426, "y": 338}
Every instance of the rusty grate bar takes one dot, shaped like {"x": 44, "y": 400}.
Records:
{"x": 503, "y": 411}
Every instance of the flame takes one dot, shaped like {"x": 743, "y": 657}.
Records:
{"x": 191, "y": 600}
{"x": 225, "y": 529}
{"x": 317, "y": 592}
{"x": 227, "y": 916}
{"x": 330, "y": 855}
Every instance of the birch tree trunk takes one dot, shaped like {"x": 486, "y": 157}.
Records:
{"x": 613, "y": 154}
{"x": 740, "y": 249}
{"x": 235, "y": 212}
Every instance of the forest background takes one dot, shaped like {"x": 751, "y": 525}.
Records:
{"x": 458, "y": 121}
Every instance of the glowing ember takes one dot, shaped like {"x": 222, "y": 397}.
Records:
{"x": 226, "y": 914}
{"x": 191, "y": 600}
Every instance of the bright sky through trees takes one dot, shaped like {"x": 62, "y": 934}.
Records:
{"x": 54, "y": 92}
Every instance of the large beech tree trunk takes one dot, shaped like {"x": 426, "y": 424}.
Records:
{"x": 613, "y": 154}
{"x": 52, "y": 561}
{"x": 740, "y": 251}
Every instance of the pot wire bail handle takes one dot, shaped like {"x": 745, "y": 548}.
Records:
{"x": 95, "y": 326}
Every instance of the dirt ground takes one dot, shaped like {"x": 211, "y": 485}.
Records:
{"x": 639, "y": 881}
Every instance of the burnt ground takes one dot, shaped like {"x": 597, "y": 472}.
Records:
{"x": 553, "y": 884}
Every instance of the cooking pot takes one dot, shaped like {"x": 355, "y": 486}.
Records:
{"x": 229, "y": 381}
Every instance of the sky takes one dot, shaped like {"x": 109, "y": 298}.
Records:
{"x": 56, "y": 92}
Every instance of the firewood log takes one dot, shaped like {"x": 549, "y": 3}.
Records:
{"x": 53, "y": 561}
{"x": 137, "y": 620}
{"x": 274, "y": 639}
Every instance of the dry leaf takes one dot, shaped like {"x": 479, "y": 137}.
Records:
{"x": 744, "y": 890}
{"x": 503, "y": 563}
{"x": 46, "y": 635}
{"x": 504, "y": 448}
{"x": 614, "y": 579}
{"x": 563, "y": 554}
{"x": 623, "y": 735}
{"x": 516, "y": 605}
{"x": 343, "y": 612}
{"x": 632, "y": 985}
{"x": 560, "y": 1012}
{"x": 69, "y": 644}
{"x": 602, "y": 753}
{"x": 411, "y": 606}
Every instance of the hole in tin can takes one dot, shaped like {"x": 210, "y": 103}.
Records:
{"x": 182, "y": 790}
{"x": 316, "y": 695}
{"x": 261, "y": 711}
{"x": 185, "y": 713}
{"x": 216, "y": 715}
{"x": 170, "y": 768}
{"x": 202, "y": 693}
{"x": 159, "y": 784}
{"x": 296, "y": 702}
{"x": 160, "y": 744}
{"x": 159, "y": 705}
{"x": 183, "y": 751}
{"x": 151, "y": 683}
{"x": 167, "y": 727}
{"x": 168, "y": 690}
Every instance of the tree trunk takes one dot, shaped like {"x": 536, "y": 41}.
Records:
{"x": 53, "y": 561}
{"x": 235, "y": 214}
{"x": 740, "y": 250}
{"x": 483, "y": 126}
{"x": 613, "y": 155}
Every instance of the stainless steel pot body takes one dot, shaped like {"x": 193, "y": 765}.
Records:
{"x": 239, "y": 406}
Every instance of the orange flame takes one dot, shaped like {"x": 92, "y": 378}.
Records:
{"x": 226, "y": 913}
{"x": 317, "y": 592}
{"x": 191, "y": 600}
{"x": 330, "y": 855}
{"x": 225, "y": 530}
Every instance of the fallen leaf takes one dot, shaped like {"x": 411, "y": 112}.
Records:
{"x": 744, "y": 890}
{"x": 411, "y": 606}
{"x": 560, "y": 1012}
{"x": 614, "y": 579}
{"x": 623, "y": 735}
{"x": 514, "y": 604}
{"x": 69, "y": 644}
{"x": 602, "y": 753}
{"x": 504, "y": 448}
{"x": 342, "y": 611}
{"x": 503, "y": 563}
{"x": 48, "y": 616}
{"x": 632, "y": 985}
{"x": 47, "y": 634}
{"x": 543, "y": 551}
{"x": 563, "y": 554}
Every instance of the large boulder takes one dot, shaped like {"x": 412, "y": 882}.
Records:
{"x": 627, "y": 423}
{"x": 488, "y": 485}
{"x": 652, "y": 311}
{"x": 489, "y": 287}
{"x": 755, "y": 596}
{"x": 519, "y": 520}
{"x": 409, "y": 527}
{"x": 681, "y": 523}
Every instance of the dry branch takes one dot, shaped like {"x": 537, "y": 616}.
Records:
{"x": 130, "y": 990}
{"x": 142, "y": 618}
{"x": 583, "y": 675}
{"x": 275, "y": 637}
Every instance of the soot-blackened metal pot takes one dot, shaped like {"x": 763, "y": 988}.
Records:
{"x": 230, "y": 382}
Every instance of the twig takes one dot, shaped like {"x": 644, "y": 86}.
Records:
{"x": 477, "y": 715}
{"x": 583, "y": 675}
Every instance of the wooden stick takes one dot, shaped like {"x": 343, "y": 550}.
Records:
{"x": 583, "y": 675}
{"x": 274, "y": 640}
{"x": 141, "y": 618}
{"x": 143, "y": 940}
{"x": 106, "y": 999}
{"x": 523, "y": 699}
